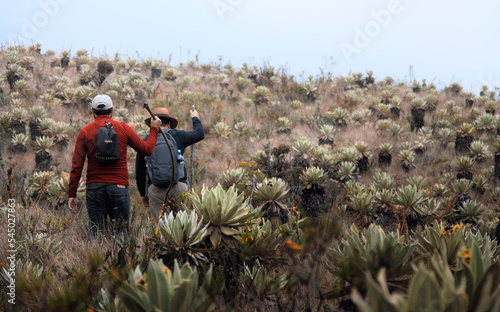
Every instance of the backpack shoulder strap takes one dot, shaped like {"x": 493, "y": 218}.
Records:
{"x": 160, "y": 140}
{"x": 169, "y": 135}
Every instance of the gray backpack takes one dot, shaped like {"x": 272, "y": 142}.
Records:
{"x": 159, "y": 164}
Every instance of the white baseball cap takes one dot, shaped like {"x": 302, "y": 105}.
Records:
{"x": 102, "y": 102}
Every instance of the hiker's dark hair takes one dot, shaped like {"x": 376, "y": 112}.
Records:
{"x": 100, "y": 112}
{"x": 164, "y": 122}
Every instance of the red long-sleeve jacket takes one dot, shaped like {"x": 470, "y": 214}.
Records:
{"x": 117, "y": 172}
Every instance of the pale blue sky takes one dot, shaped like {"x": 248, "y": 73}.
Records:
{"x": 445, "y": 41}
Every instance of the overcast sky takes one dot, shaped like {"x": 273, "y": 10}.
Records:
{"x": 445, "y": 41}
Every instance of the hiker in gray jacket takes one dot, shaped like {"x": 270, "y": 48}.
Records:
{"x": 152, "y": 195}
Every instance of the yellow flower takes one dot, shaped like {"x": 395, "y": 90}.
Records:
{"x": 456, "y": 228}
{"x": 447, "y": 231}
{"x": 278, "y": 252}
{"x": 165, "y": 270}
{"x": 293, "y": 245}
{"x": 466, "y": 255}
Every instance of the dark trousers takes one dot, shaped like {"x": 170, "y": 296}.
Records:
{"x": 113, "y": 201}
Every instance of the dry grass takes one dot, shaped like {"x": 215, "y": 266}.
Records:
{"x": 212, "y": 156}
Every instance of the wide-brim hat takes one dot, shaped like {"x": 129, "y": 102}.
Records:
{"x": 162, "y": 113}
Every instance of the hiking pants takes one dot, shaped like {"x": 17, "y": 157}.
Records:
{"x": 157, "y": 196}
{"x": 110, "y": 200}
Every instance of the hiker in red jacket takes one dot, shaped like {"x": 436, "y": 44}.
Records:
{"x": 107, "y": 182}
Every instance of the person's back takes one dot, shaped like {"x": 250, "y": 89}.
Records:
{"x": 97, "y": 171}
{"x": 152, "y": 195}
{"x": 107, "y": 182}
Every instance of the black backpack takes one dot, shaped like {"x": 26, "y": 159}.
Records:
{"x": 107, "y": 148}
{"x": 159, "y": 164}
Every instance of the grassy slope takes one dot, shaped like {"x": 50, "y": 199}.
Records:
{"x": 212, "y": 88}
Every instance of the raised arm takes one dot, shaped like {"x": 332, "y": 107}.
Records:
{"x": 188, "y": 138}
{"x": 138, "y": 144}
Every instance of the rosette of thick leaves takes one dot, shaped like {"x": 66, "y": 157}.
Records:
{"x": 225, "y": 212}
